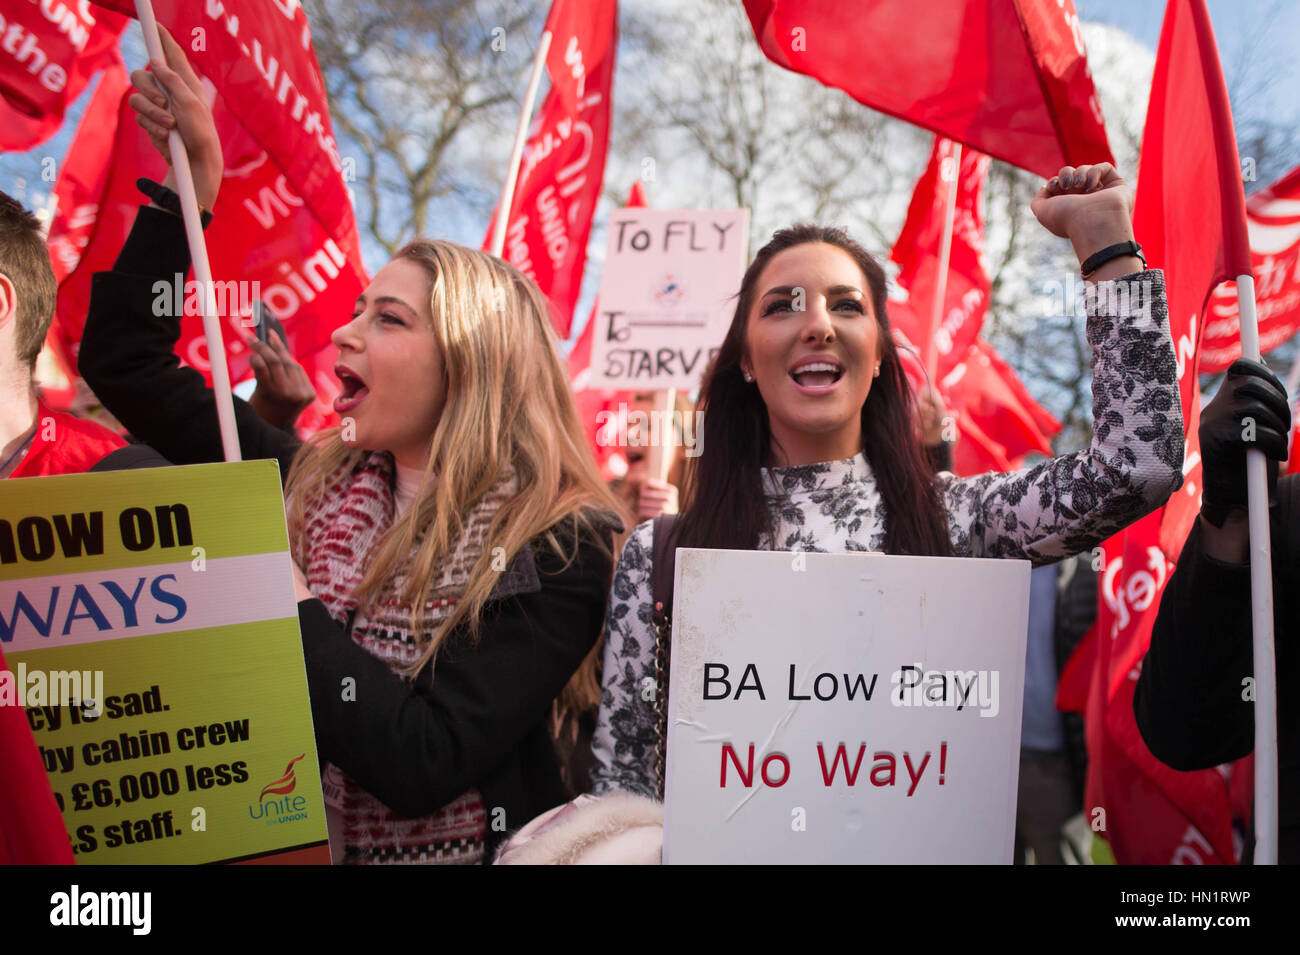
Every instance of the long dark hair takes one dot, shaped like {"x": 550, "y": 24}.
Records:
{"x": 725, "y": 505}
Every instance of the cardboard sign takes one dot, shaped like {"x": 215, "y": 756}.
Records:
{"x": 667, "y": 295}
{"x": 149, "y": 621}
{"x": 844, "y": 708}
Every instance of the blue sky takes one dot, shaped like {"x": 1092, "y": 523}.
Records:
{"x": 1262, "y": 36}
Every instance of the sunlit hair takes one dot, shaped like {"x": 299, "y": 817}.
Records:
{"x": 725, "y": 504}
{"x": 25, "y": 261}
{"x": 508, "y": 403}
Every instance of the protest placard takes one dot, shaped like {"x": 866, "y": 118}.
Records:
{"x": 667, "y": 294}
{"x": 844, "y": 708}
{"x": 149, "y": 622}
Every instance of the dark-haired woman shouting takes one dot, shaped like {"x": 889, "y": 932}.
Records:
{"x": 810, "y": 441}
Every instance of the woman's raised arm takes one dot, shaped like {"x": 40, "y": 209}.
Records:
{"x": 127, "y": 352}
{"x": 1072, "y": 503}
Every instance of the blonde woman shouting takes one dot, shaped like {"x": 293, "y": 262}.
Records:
{"x": 457, "y": 519}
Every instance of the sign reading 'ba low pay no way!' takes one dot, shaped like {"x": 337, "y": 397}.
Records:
{"x": 844, "y": 708}
{"x": 149, "y": 623}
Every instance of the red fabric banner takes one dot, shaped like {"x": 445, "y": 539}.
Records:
{"x": 263, "y": 243}
{"x": 998, "y": 422}
{"x": 966, "y": 294}
{"x": 560, "y": 177}
{"x": 592, "y": 401}
{"x": 31, "y": 827}
{"x": 581, "y": 34}
{"x": 48, "y": 54}
{"x": 1008, "y": 77}
{"x": 997, "y": 418}
{"x": 1273, "y": 223}
{"x": 260, "y": 58}
{"x": 1190, "y": 217}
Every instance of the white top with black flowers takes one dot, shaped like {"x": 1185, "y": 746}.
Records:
{"x": 1055, "y": 509}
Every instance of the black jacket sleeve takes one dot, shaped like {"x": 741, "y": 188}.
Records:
{"x": 128, "y": 358}
{"x": 416, "y": 747}
{"x": 1190, "y": 701}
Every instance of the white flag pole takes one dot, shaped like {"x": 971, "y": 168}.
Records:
{"x": 517, "y": 152}
{"x": 1261, "y": 604}
{"x": 198, "y": 254}
{"x": 945, "y": 253}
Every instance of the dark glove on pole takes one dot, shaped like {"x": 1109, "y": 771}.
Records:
{"x": 1250, "y": 411}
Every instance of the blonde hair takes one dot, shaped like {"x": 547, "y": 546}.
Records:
{"x": 508, "y": 405}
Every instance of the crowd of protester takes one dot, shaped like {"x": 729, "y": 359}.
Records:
{"x": 464, "y": 439}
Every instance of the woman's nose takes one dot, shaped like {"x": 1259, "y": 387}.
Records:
{"x": 818, "y": 326}
{"x": 345, "y": 336}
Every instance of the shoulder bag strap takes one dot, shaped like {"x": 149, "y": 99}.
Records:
{"x": 664, "y": 560}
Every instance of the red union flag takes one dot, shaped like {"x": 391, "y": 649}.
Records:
{"x": 264, "y": 243}
{"x": 592, "y": 401}
{"x": 998, "y": 421}
{"x": 1190, "y": 217}
{"x": 1273, "y": 222}
{"x": 997, "y": 418}
{"x": 260, "y": 59}
{"x": 559, "y": 180}
{"x": 1009, "y": 77}
{"x": 581, "y": 32}
{"x": 48, "y": 54}
{"x": 917, "y": 253}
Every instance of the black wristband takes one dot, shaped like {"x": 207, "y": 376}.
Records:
{"x": 1095, "y": 261}
{"x": 164, "y": 198}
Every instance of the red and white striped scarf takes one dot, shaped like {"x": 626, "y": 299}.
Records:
{"x": 341, "y": 534}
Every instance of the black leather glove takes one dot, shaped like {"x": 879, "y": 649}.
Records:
{"x": 1251, "y": 404}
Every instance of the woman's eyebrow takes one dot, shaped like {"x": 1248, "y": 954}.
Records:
{"x": 833, "y": 290}
{"x": 386, "y": 300}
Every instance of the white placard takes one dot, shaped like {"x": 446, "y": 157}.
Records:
{"x": 913, "y": 665}
{"x": 666, "y": 295}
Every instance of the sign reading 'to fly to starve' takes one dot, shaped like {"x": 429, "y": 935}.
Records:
{"x": 666, "y": 295}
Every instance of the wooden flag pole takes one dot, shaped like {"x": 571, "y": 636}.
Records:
{"x": 945, "y": 253}
{"x": 198, "y": 254}
{"x": 660, "y": 458}
{"x": 517, "y": 151}
{"x": 1261, "y": 605}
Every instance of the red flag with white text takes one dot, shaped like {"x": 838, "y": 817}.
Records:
{"x": 561, "y": 171}
{"x": 581, "y": 33}
{"x": 264, "y": 243}
{"x": 1273, "y": 223}
{"x": 1008, "y": 77}
{"x": 260, "y": 58}
{"x": 1190, "y": 218}
{"x": 917, "y": 252}
{"x": 49, "y": 53}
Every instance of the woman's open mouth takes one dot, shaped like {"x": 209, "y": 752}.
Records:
{"x": 816, "y": 377}
{"x": 352, "y": 390}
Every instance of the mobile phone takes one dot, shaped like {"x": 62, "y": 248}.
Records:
{"x": 267, "y": 323}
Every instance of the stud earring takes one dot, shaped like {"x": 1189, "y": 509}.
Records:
{"x": 876, "y": 373}
{"x": 749, "y": 377}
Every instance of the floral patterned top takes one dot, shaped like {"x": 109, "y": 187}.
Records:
{"x": 1055, "y": 509}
